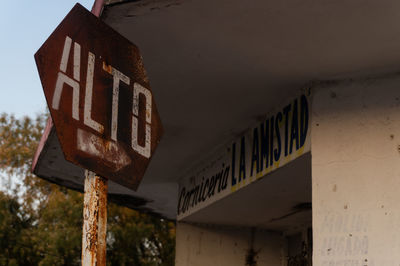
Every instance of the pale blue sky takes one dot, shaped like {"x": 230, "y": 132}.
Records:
{"x": 24, "y": 26}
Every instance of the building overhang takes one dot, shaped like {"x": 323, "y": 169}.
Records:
{"x": 217, "y": 68}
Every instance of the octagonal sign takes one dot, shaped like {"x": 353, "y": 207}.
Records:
{"x": 99, "y": 98}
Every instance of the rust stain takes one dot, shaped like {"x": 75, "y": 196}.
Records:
{"x": 102, "y": 233}
{"x": 70, "y": 105}
{"x": 107, "y": 68}
{"x": 251, "y": 256}
{"x": 94, "y": 220}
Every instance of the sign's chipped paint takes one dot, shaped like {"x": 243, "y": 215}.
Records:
{"x": 99, "y": 98}
{"x": 109, "y": 151}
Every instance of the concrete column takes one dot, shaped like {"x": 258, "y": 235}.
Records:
{"x": 355, "y": 147}
{"x": 198, "y": 245}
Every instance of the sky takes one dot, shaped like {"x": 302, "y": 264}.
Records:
{"x": 24, "y": 27}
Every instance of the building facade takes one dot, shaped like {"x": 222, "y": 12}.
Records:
{"x": 282, "y": 133}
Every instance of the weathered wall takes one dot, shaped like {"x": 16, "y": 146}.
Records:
{"x": 219, "y": 246}
{"x": 356, "y": 173}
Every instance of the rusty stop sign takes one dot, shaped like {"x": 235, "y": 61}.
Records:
{"x": 99, "y": 98}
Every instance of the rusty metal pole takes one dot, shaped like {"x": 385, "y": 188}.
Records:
{"x": 94, "y": 229}
{"x": 94, "y": 220}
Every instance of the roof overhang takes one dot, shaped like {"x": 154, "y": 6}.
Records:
{"x": 217, "y": 67}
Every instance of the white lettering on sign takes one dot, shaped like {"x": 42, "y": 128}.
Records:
{"x": 118, "y": 76}
{"x": 138, "y": 89}
{"x": 63, "y": 78}
{"x": 87, "y": 112}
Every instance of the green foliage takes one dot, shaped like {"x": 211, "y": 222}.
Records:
{"x": 41, "y": 223}
{"x": 59, "y": 228}
{"x": 15, "y": 234}
{"x": 138, "y": 239}
{"x": 18, "y": 141}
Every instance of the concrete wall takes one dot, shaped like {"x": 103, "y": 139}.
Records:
{"x": 219, "y": 246}
{"x": 356, "y": 173}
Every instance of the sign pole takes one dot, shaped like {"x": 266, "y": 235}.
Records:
{"x": 89, "y": 138}
{"x": 94, "y": 220}
{"x": 94, "y": 229}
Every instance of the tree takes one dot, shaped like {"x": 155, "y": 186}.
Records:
{"x": 15, "y": 239}
{"x": 18, "y": 141}
{"x": 139, "y": 239}
{"x": 60, "y": 228}
{"x": 41, "y": 223}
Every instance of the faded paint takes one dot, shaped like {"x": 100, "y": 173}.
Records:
{"x": 94, "y": 220}
{"x": 111, "y": 109}
{"x": 87, "y": 112}
{"x": 143, "y": 150}
{"x": 356, "y": 172}
{"x": 112, "y": 153}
